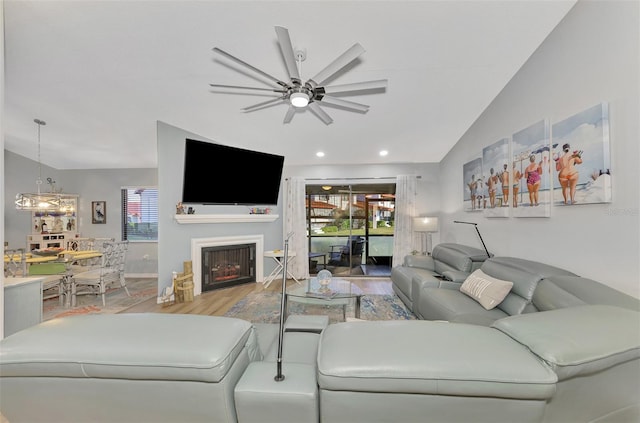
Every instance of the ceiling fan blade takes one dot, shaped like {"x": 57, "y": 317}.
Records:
{"x": 287, "y": 52}
{"x": 320, "y": 113}
{"x": 263, "y": 104}
{"x": 245, "y": 64}
{"x": 343, "y": 60}
{"x": 290, "y": 113}
{"x": 275, "y": 90}
{"x": 357, "y": 86}
{"x": 344, "y": 103}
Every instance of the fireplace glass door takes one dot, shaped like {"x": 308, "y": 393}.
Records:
{"x": 224, "y": 266}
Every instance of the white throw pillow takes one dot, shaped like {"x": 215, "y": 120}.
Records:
{"x": 485, "y": 289}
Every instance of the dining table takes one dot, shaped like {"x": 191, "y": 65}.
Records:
{"x": 67, "y": 257}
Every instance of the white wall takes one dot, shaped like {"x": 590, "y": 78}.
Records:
{"x": 591, "y": 57}
{"x": 174, "y": 246}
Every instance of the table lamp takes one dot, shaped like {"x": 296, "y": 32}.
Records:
{"x": 425, "y": 225}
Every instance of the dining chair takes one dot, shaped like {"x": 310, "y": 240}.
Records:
{"x": 15, "y": 263}
{"x": 52, "y": 286}
{"x": 111, "y": 270}
{"x": 98, "y": 243}
{"x": 80, "y": 244}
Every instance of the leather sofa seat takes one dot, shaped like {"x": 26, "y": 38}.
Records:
{"x": 448, "y": 372}
{"x": 135, "y": 362}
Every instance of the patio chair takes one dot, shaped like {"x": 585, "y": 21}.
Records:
{"x": 341, "y": 254}
{"x": 96, "y": 281}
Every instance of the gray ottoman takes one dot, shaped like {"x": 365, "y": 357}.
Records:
{"x": 125, "y": 368}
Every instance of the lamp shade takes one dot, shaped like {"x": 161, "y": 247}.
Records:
{"x": 425, "y": 224}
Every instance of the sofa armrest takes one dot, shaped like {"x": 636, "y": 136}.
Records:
{"x": 577, "y": 340}
{"x": 423, "y": 262}
{"x": 455, "y": 275}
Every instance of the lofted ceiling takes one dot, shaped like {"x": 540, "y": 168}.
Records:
{"x": 101, "y": 73}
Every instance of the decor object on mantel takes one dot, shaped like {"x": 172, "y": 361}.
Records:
{"x": 298, "y": 96}
{"x": 259, "y": 210}
{"x": 180, "y": 209}
{"x": 49, "y": 201}
{"x": 186, "y": 219}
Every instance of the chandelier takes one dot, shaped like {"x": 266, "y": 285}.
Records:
{"x": 48, "y": 201}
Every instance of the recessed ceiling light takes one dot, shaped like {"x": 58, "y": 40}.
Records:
{"x": 320, "y": 154}
{"x": 383, "y": 153}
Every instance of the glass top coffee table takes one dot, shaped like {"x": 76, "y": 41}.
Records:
{"x": 338, "y": 292}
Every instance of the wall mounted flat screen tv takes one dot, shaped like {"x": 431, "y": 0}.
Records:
{"x": 219, "y": 174}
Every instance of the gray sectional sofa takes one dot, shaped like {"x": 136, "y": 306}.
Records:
{"x": 558, "y": 348}
{"x": 448, "y": 263}
{"x": 430, "y": 286}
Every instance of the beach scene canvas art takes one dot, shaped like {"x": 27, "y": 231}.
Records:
{"x": 494, "y": 158}
{"x": 531, "y": 171}
{"x": 582, "y": 171}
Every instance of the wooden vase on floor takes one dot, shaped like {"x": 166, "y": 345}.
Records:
{"x": 183, "y": 283}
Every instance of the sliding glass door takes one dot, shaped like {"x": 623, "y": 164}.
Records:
{"x": 350, "y": 228}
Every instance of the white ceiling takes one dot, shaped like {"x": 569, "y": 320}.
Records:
{"x": 101, "y": 73}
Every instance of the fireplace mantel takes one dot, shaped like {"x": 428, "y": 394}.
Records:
{"x": 185, "y": 219}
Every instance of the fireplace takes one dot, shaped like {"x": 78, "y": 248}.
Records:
{"x": 208, "y": 256}
{"x": 228, "y": 265}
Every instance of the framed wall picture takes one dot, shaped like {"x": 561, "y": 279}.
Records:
{"x": 472, "y": 186}
{"x": 494, "y": 158}
{"x": 582, "y": 171}
{"x": 98, "y": 212}
{"x": 531, "y": 171}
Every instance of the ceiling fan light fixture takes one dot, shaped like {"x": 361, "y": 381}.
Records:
{"x": 299, "y": 99}
{"x": 299, "y": 94}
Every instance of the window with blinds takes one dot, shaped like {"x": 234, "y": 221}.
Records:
{"x": 140, "y": 214}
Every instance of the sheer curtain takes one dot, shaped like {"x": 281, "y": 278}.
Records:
{"x": 404, "y": 212}
{"x": 295, "y": 222}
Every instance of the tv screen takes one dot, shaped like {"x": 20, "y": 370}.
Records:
{"x": 219, "y": 174}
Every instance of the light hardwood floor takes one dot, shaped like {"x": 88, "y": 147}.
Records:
{"x": 218, "y": 302}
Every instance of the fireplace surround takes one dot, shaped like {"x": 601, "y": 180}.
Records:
{"x": 197, "y": 244}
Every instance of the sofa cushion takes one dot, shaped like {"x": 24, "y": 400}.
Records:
{"x": 421, "y": 357}
{"x": 485, "y": 289}
{"x": 420, "y": 261}
{"x": 143, "y": 346}
{"x": 449, "y": 256}
{"x": 525, "y": 275}
{"x": 452, "y": 305}
{"x": 569, "y": 291}
{"x": 402, "y": 277}
{"x": 578, "y": 340}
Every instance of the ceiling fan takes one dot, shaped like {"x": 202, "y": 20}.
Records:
{"x": 312, "y": 93}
